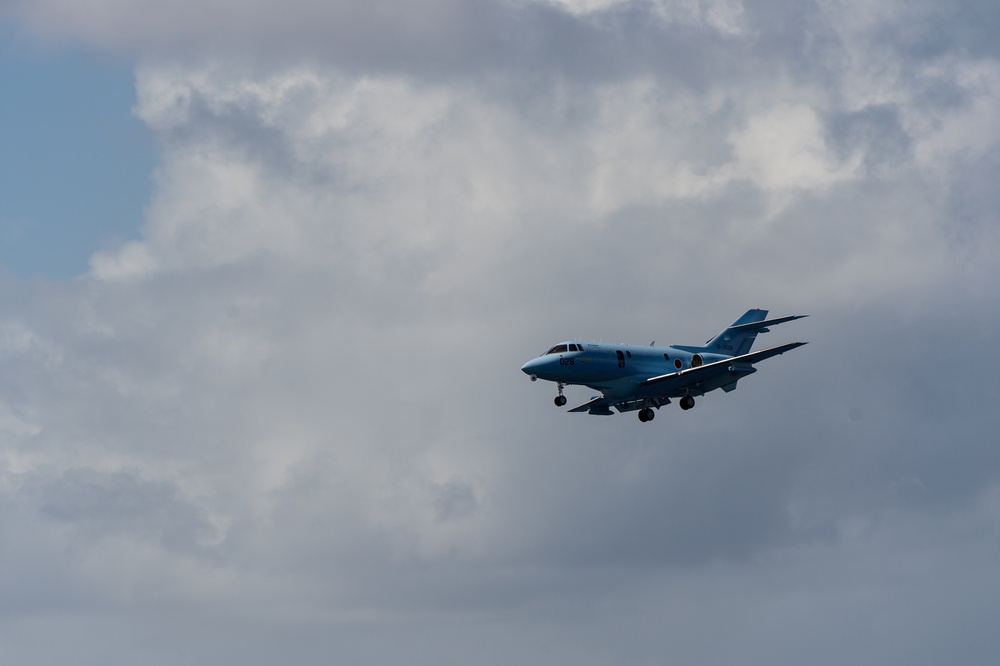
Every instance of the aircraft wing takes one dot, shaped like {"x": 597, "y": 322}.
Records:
{"x": 597, "y": 405}
{"x": 690, "y": 376}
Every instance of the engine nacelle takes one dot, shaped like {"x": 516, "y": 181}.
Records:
{"x": 700, "y": 359}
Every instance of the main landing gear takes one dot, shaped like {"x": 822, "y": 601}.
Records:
{"x": 560, "y": 399}
{"x": 646, "y": 414}
{"x": 686, "y": 403}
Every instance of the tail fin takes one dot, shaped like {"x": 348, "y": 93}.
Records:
{"x": 736, "y": 341}
{"x": 739, "y": 337}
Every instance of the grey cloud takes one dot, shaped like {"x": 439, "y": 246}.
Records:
{"x": 971, "y": 197}
{"x": 929, "y": 30}
{"x": 875, "y": 131}
{"x": 98, "y": 505}
{"x": 529, "y": 41}
{"x": 456, "y": 500}
{"x": 439, "y": 39}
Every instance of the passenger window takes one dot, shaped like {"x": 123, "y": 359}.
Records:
{"x": 621, "y": 359}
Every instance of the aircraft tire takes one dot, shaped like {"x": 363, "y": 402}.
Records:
{"x": 687, "y": 402}
{"x": 560, "y": 400}
{"x": 642, "y": 415}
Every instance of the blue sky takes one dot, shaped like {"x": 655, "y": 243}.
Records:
{"x": 75, "y": 165}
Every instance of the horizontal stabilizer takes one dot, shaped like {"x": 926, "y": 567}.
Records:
{"x": 761, "y": 326}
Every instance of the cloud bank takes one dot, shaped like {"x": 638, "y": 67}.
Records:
{"x": 287, "y": 418}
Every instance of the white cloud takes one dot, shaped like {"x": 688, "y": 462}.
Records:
{"x": 723, "y": 15}
{"x": 785, "y": 149}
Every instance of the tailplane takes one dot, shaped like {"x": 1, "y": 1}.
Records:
{"x": 739, "y": 337}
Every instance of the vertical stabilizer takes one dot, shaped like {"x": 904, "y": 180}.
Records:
{"x": 738, "y": 338}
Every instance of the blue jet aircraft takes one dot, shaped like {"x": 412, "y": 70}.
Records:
{"x": 632, "y": 378}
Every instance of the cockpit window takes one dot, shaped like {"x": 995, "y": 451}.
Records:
{"x": 573, "y": 348}
{"x": 558, "y": 349}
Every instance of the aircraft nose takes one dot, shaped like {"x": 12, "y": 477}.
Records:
{"x": 531, "y": 368}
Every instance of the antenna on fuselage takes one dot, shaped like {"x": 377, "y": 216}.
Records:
{"x": 653, "y": 343}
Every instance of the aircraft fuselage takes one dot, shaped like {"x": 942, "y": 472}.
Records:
{"x": 598, "y": 363}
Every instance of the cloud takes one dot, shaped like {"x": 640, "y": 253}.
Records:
{"x": 685, "y": 42}
{"x": 289, "y": 413}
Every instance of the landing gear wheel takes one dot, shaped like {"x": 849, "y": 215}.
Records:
{"x": 687, "y": 402}
{"x": 646, "y": 414}
{"x": 560, "y": 400}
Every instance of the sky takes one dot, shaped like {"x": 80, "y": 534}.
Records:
{"x": 269, "y": 272}
{"x": 75, "y": 166}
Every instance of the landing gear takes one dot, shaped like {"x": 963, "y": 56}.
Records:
{"x": 646, "y": 414}
{"x": 687, "y": 402}
{"x": 560, "y": 399}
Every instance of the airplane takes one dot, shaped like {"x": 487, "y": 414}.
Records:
{"x": 635, "y": 378}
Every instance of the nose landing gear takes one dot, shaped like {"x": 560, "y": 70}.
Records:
{"x": 560, "y": 399}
